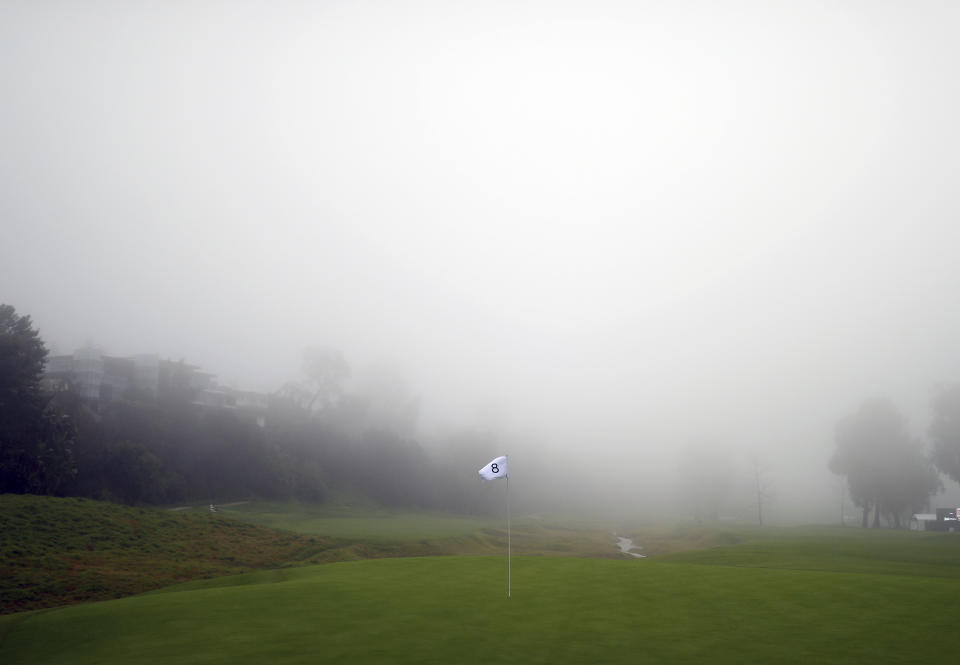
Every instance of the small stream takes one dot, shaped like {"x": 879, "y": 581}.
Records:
{"x": 626, "y": 544}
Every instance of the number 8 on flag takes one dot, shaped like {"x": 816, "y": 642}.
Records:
{"x": 495, "y": 469}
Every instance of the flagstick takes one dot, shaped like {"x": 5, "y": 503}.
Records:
{"x": 508, "y": 537}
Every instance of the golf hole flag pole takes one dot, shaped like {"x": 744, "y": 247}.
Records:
{"x": 497, "y": 468}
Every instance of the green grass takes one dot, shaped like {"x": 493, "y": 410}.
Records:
{"x": 455, "y": 610}
{"x": 430, "y": 533}
{"x": 362, "y": 524}
{"x": 59, "y": 551}
{"x": 731, "y": 594}
{"x": 883, "y": 551}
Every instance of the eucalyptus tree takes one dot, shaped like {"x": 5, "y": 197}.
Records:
{"x": 886, "y": 469}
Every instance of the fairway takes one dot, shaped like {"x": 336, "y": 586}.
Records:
{"x": 455, "y": 610}
{"x": 394, "y": 533}
{"x": 338, "y": 522}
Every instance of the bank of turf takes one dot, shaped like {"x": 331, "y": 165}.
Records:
{"x": 59, "y": 551}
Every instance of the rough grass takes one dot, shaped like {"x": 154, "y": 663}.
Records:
{"x": 58, "y": 551}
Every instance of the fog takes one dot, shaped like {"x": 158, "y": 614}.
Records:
{"x": 605, "y": 231}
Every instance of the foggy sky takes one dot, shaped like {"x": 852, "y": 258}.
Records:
{"x": 617, "y": 226}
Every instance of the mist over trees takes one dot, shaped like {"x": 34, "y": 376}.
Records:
{"x": 315, "y": 438}
{"x": 762, "y": 484}
{"x": 706, "y": 480}
{"x": 490, "y": 200}
{"x": 886, "y": 469}
{"x": 945, "y": 431}
{"x": 318, "y": 438}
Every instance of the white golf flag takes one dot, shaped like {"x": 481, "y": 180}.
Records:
{"x": 495, "y": 469}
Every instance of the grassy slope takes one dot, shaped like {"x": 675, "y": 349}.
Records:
{"x": 58, "y": 551}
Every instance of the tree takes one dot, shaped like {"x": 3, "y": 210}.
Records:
{"x": 912, "y": 482}
{"x": 22, "y": 357}
{"x": 326, "y": 369}
{"x": 35, "y": 442}
{"x": 131, "y": 474}
{"x": 762, "y": 483}
{"x": 945, "y": 431}
{"x": 885, "y": 468}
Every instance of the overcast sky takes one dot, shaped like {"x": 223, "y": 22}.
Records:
{"x": 622, "y": 225}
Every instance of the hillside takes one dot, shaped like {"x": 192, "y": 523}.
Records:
{"x": 58, "y": 551}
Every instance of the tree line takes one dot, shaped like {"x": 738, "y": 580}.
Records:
{"x": 314, "y": 440}
{"x": 317, "y": 440}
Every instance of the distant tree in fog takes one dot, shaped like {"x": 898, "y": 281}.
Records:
{"x": 320, "y": 388}
{"x": 913, "y": 482}
{"x": 326, "y": 370}
{"x": 762, "y": 484}
{"x": 945, "y": 431}
{"x": 885, "y": 467}
{"x": 706, "y": 476}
